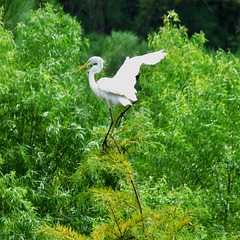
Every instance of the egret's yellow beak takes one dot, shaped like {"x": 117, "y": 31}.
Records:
{"x": 82, "y": 67}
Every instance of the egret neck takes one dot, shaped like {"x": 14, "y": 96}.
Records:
{"x": 92, "y": 83}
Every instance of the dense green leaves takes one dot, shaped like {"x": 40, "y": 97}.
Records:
{"x": 42, "y": 115}
{"x": 180, "y": 141}
{"x": 14, "y": 11}
{"x": 196, "y": 107}
{"x": 40, "y": 80}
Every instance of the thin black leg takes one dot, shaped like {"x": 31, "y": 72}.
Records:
{"x": 122, "y": 115}
{"x": 105, "y": 139}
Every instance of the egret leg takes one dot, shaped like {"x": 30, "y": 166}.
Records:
{"x": 122, "y": 115}
{"x": 105, "y": 139}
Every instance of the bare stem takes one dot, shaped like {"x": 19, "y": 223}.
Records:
{"x": 132, "y": 182}
{"x": 138, "y": 200}
{"x": 115, "y": 218}
{"x": 119, "y": 150}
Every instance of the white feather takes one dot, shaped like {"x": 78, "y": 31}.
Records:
{"x": 120, "y": 90}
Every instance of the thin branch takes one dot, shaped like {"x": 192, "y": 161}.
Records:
{"x": 138, "y": 200}
{"x": 115, "y": 218}
{"x": 119, "y": 150}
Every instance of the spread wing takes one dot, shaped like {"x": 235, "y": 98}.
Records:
{"x": 129, "y": 70}
{"x": 124, "y": 80}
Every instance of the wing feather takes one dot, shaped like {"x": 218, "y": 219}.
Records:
{"x": 125, "y": 79}
{"x": 129, "y": 70}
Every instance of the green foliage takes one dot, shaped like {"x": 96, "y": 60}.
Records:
{"x": 121, "y": 216}
{"x": 41, "y": 132}
{"x": 49, "y": 39}
{"x": 47, "y": 49}
{"x": 7, "y": 47}
{"x": 60, "y": 232}
{"x": 179, "y": 143}
{"x": 125, "y": 222}
{"x": 196, "y": 105}
{"x": 19, "y": 217}
{"x": 15, "y": 11}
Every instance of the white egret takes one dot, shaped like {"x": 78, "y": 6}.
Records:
{"x": 119, "y": 90}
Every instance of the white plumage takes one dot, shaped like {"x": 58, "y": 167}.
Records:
{"x": 119, "y": 90}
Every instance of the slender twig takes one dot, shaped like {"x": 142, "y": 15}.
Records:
{"x": 115, "y": 218}
{"x": 119, "y": 150}
{"x": 131, "y": 180}
{"x": 135, "y": 191}
{"x": 138, "y": 200}
{"x": 134, "y": 187}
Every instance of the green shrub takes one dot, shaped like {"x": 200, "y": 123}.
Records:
{"x": 43, "y": 119}
{"x": 194, "y": 102}
{"x": 19, "y": 218}
{"x": 184, "y": 127}
{"x": 163, "y": 214}
{"x": 39, "y": 117}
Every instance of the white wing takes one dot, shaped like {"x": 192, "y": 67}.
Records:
{"x": 124, "y": 80}
{"x": 129, "y": 70}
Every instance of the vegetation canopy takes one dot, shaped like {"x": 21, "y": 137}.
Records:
{"x": 178, "y": 174}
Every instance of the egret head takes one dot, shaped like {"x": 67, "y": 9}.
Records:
{"x": 92, "y": 60}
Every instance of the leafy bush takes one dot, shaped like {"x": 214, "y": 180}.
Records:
{"x": 179, "y": 142}
{"x": 194, "y": 101}
{"x": 41, "y": 129}
{"x": 19, "y": 217}
{"x": 47, "y": 49}
{"x": 120, "y": 214}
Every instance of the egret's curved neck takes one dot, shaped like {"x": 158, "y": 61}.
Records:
{"x": 92, "y": 83}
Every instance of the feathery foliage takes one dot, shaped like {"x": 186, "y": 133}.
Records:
{"x": 196, "y": 107}
{"x": 178, "y": 176}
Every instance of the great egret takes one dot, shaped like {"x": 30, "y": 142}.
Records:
{"x": 119, "y": 90}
